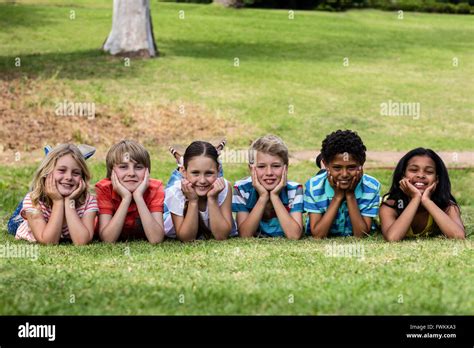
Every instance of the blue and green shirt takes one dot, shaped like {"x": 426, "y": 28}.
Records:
{"x": 319, "y": 193}
{"x": 245, "y": 197}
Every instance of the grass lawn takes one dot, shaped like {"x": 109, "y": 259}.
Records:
{"x": 240, "y": 276}
{"x": 282, "y": 62}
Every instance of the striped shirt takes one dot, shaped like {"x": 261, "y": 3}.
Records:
{"x": 245, "y": 197}
{"x": 319, "y": 193}
{"x": 24, "y": 230}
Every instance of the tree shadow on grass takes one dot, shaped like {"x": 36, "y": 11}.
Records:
{"x": 14, "y": 15}
{"x": 79, "y": 65}
{"x": 94, "y": 63}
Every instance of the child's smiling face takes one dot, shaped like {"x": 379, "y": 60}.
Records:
{"x": 67, "y": 174}
{"x": 269, "y": 169}
{"x": 343, "y": 167}
{"x": 130, "y": 174}
{"x": 201, "y": 172}
{"x": 421, "y": 172}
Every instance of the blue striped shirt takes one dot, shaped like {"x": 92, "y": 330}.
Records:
{"x": 319, "y": 193}
{"x": 245, "y": 197}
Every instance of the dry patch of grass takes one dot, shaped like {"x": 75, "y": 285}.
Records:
{"x": 32, "y": 116}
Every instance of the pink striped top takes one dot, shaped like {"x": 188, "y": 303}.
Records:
{"x": 24, "y": 230}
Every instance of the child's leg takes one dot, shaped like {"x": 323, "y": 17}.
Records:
{"x": 15, "y": 220}
{"x": 221, "y": 169}
{"x": 175, "y": 175}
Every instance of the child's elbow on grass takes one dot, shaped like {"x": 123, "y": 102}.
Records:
{"x": 48, "y": 242}
{"x": 316, "y": 233}
{"x": 184, "y": 239}
{"x": 317, "y": 236}
{"x": 155, "y": 241}
{"x": 106, "y": 239}
{"x": 81, "y": 242}
{"x": 391, "y": 238}
{"x": 459, "y": 235}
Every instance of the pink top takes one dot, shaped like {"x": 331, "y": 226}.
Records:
{"x": 24, "y": 230}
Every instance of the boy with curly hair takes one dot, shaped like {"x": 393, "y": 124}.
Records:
{"x": 341, "y": 200}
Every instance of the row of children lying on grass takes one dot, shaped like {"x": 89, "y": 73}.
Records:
{"x": 198, "y": 202}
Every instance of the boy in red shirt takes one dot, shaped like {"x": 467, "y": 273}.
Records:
{"x": 130, "y": 203}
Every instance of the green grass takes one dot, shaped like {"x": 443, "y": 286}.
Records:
{"x": 239, "y": 276}
{"x": 242, "y": 277}
{"x": 282, "y": 62}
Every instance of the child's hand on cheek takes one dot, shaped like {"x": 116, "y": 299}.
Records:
{"x": 188, "y": 190}
{"x": 78, "y": 191}
{"x": 51, "y": 189}
{"x": 262, "y": 191}
{"x": 355, "y": 181}
{"x": 276, "y": 191}
{"x": 428, "y": 192}
{"x": 338, "y": 192}
{"x": 407, "y": 188}
{"x": 119, "y": 188}
{"x": 217, "y": 187}
{"x": 140, "y": 190}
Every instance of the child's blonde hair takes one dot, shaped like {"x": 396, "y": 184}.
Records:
{"x": 38, "y": 192}
{"x": 269, "y": 144}
{"x": 124, "y": 151}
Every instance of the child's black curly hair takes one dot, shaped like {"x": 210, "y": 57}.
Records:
{"x": 339, "y": 142}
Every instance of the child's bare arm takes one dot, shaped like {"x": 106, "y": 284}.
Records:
{"x": 292, "y": 224}
{"x": 187, "y": 226}
{"x": 110, "y": 227}
{"x": 320, "y": 224}
{"x": 47, "y": 232}
{"x": 50, "y": 232}
{"x": 152, "y": 222}
{"x": 249, "y": 222}
{"x": 80, "y": 230}
{"x": 220, "y": 217}
{"x": 449, "y": 223}
{"x": 395, "y": 228}
{"x": 360, "y": 224}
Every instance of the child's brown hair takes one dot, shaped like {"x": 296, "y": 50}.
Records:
{"x": 125, "y": 151}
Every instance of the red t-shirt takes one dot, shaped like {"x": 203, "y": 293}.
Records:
{"x": 108, "y": 201}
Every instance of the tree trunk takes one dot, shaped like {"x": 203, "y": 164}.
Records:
{"x": 230, "y": 3}
{"x": 132, "y": 30}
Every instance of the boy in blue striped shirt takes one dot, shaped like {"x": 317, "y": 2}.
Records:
{"x": 267, "y": 205}
{"x": 341, "y": 200}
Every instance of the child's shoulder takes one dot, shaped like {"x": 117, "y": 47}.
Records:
{"x": 318, "y": 179}
{"x": 370, "y": 181}
{"x": 104, "y": 183}
{"x": 293, "y": 185}
{"x": 155, "y": 183}
{"x": 244, "y": 183}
